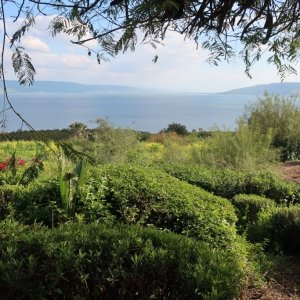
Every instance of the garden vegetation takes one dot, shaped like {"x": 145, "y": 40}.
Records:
{"x": 110, "y": 213}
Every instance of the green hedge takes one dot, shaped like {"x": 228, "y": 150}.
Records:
{"x": 6, "y": 199}
{"x": 228, "y": 183}
{"x": 129, "y": 194}
{"x": 248, "y": 208}
{"x": 36, "y": 202}
{"x": 280, "y": 229}
{"x": 150, "y": 197}
{"x": 95, "y": 261}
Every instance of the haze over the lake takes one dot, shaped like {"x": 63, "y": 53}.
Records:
{"x": 55, "y": 105}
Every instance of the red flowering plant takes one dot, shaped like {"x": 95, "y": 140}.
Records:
{"x": 19, "y": 171}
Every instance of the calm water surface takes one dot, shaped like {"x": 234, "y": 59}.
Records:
{"x": 141, "y": 112}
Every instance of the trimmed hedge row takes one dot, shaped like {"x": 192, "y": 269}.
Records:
{"x": 248, "y": 209}
{"x": 133, "y": 195}
{"x": 228, "y": 183}
{"x": 151, "y": 197}
{"x": 95, "y": 261}
{"x": 6, "y": 198}
{"x": 35, "y": 202}
{"x": 279, "y": 228}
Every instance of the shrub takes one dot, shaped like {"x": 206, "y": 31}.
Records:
{"x": 95, "y": 261}
{"x": 114, "y": 145}
{"x": 151, "y": 197}
{"x": 91, "y": 204}
{"x": 248, "y": 208}
{"x": 180, "y": 129}
{"x": 228, "y": 183}
{"x": 243, "y": 149}
{"x": 37, "y": 202}
{"x": 7, "y": 196}
{"x": 41, "y": 202}
{"x": 269, "y": 185}
{"x": 280, "y": 227}
{"x": 222, "y": 182}
{"x": 281, "y": 115}
{"x": 19, "y": 171}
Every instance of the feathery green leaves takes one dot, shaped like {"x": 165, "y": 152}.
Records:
{"x": 23, "y": 67}
{"x": 28, "y": 23}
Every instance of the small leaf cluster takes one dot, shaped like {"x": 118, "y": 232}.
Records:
{"x": 23, "y": 67}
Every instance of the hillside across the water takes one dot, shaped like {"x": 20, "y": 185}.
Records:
{"x": 59, "y": 87}
{"x": 284, "y": 88}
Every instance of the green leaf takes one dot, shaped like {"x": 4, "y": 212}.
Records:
{"x": 23, "y": 67}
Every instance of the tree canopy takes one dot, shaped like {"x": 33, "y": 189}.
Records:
{"x": 176, "y": 127}
{"x": 257, "y": 26}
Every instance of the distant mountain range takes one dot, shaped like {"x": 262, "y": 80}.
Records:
{"x": 285, "y": 88}
{"x": 58, "y": 87}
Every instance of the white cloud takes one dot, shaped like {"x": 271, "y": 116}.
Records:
{"x": 73, "y": 61}
{"x": 34, "y": 43}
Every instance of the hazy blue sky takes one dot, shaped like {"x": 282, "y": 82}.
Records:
{"x": 180, "y": 67}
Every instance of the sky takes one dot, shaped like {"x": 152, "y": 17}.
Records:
{"x": 181, "y": 67}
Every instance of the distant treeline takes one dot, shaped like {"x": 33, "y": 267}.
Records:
{"x": 66, "y": 133}
{"x": 29, "y": 135}
{"x": 51, "y": 135}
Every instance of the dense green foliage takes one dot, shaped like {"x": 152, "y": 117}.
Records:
{"x": 248, "y": 209}
{"x": 78, "y": 261}
{"x": 51, "y": 135}
{"x": 6, "y": 200}
{"x": 167, "y": 182}
{"x": 176, "y": 127}
{"x": 279, "y": 228}
{"x": 150, "y": 197}
{"x": 243, "y": 149}
{"x": 279, "y": 116}
{"x": 107, "y": 144}
{"x": 228, "y": 183}
{"x": 37, "y": 202}
{"x": 129, "y": 194}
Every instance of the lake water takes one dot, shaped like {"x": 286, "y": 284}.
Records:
{"x": 141, "y": 112}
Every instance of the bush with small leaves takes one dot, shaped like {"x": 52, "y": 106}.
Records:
{"x": 36, "y": 202}
{"x": 248, "y": 208}
{"x": 150, "y": 197}
{"x": 96, "y": 261}
{"x": 228, "y": 183}
{"x": 7, "y": 196}
{"x": 280, "y": 227}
